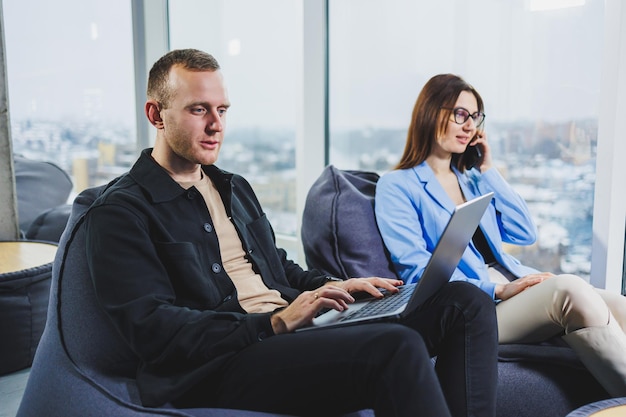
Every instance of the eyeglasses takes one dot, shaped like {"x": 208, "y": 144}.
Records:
{"x": 461, "y": 115}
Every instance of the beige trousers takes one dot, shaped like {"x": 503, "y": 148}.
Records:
{"x": 558, "y": 305}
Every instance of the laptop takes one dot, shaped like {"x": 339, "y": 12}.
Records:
{"x": 444, "y": 260}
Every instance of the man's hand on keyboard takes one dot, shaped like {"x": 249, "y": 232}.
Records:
{"x": 370, "y": 285}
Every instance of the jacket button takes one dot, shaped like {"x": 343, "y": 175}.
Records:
{"x": 191, "y": 195}
{"x": 261, "y": 336}
{"x": 227, "y": 298}
{"x": 207, "y": 227}
{"x": 216, "y": 268}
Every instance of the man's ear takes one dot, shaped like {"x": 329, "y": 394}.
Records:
{"x": 153, "y": 113}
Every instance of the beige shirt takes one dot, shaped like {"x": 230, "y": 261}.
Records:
{"x": 253, "y": 294}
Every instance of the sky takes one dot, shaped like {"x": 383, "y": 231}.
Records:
{"x": 73, "y": 58}
{"x": 69, "y": 56}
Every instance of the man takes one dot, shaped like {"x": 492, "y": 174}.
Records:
{"x": 185, "y": 264}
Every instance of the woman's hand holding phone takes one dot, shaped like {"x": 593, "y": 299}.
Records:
{"x": 480, "y": 151}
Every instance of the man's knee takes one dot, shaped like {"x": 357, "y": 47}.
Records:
{"x": 393, "y": 345}
{"x": 400, "y": 337}
{"x": 409, "y": 350}
{"x": 472, "y": 300}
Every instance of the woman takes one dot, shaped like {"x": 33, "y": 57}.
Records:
{"x": 437, "y": 172}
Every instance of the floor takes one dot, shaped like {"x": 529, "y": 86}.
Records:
{"x": 11, "y": 389}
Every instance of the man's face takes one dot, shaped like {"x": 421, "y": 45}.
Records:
{"x": 195, "y": 118}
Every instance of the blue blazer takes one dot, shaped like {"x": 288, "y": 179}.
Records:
{"x": 412, "y": 210}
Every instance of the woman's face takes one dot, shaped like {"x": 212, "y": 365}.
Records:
{"x": 457, "y": 136}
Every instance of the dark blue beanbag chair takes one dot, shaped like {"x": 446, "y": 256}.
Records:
{"x": 339, "y": 231}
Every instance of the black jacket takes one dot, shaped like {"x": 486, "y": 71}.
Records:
{"x": 157, "y": 271}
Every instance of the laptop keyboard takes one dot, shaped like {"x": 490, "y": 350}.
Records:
{"x": 385, "y": 305}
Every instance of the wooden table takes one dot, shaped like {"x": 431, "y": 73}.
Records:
{"x": 25, "y": 279}
{"x": 611, "y": 407}
{"x": 617, "y": 411}
{"x": 19, "y": 255}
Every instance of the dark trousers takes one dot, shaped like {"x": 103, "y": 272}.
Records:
{"x": 385, "y": 366}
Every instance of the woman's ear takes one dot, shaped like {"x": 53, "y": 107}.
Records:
{"x": 153, "y": 113}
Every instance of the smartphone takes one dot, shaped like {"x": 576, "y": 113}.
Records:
{"x": 472, "y": 156}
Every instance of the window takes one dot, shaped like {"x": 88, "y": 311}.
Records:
{"x": 258, "y": 51}
{"x": 538, "y": 73}
{"x": 70, "y": 78}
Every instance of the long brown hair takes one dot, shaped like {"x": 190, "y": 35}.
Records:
{"x": 431, "y": 113}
